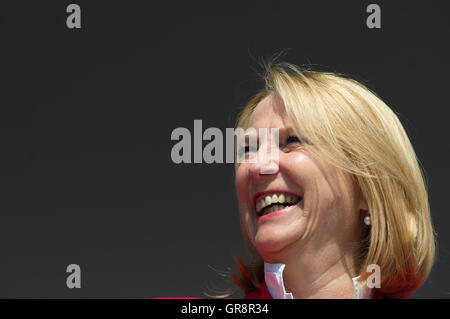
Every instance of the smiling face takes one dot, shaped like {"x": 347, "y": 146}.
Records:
{"x": 292, "y": 199}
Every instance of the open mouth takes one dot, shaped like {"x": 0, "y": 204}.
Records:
{"x": 270, "y": 202}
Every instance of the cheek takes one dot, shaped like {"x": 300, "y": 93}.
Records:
{"x": 298, "y": 171}
{"x": 312, "y": 177}
{"x": 242, "y": 182}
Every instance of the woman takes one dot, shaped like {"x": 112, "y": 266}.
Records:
{"x": 340, "y": 196}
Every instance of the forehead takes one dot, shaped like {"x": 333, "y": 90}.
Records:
{"x": 269, "y": 112}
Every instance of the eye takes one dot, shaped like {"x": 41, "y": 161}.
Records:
{"x": 292, "y": 140}
{"x": 291, "y": 143}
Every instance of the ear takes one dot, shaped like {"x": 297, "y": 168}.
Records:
{"x": 362, "y": 200}
{"x": 363, "y": 205}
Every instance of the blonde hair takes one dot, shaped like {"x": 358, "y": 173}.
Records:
{"x": 347, "y": 125}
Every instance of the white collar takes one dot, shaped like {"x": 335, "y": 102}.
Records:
{"x": 273, "y": 276}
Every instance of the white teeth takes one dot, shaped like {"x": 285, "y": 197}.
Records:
{"x": 275, "y": 198}
{"x": 258, "y": 206}
{"x": 275, "y": 208}
{"x": 262, "y": 204}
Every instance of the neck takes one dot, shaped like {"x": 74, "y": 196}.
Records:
{"x": 322, "y": 274}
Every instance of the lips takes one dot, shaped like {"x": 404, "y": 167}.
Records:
{"x": 269, "y": 202}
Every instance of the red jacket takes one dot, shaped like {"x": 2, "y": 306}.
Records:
{"x": 263, "y": 293}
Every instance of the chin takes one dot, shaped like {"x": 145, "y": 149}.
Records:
{"x": 271, "y": 242}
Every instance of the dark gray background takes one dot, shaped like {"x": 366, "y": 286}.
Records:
{"x": 86, "y": 117}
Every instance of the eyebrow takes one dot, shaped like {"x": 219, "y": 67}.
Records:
{"x": 282, "y": 130}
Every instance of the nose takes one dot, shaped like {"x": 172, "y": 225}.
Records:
{"x": 266, "y": 161}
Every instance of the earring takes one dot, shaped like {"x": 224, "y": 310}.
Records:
{"x": 367, "y": 220}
